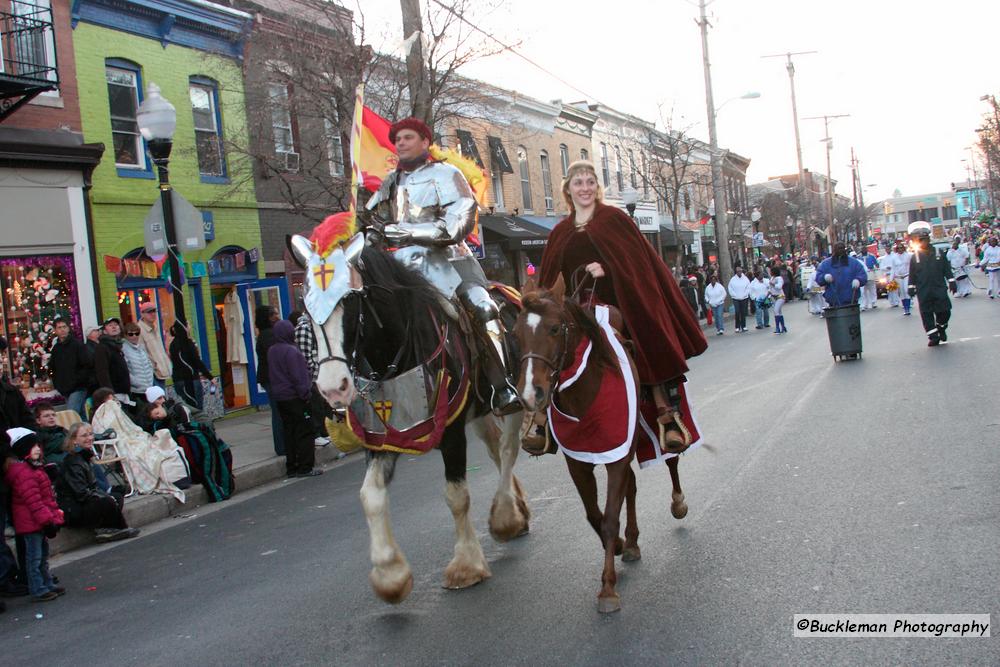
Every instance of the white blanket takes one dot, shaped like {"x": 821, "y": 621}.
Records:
{"x": 154, "y": 462}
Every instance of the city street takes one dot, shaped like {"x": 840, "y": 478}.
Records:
{"x": 855, "y": 487}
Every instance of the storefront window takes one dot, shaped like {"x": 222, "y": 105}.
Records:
{"x": 35, "y": 291}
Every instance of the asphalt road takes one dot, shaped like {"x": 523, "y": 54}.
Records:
{"x": 854, "y": 487}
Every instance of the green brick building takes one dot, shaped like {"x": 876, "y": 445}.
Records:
{"x": 193, "y": 51}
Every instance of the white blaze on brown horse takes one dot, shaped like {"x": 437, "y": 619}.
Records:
{"x": 550, "y": 330}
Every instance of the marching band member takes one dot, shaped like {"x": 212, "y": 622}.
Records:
{"x": 991, "y": 265}
{"x": 885, "y": 268}
{"x": 900, "y": 264}
{"x": 869, "y": 295}
{"x": 958, "y": 257}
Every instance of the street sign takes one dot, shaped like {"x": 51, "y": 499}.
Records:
{"x": 188, "y": 224}
{"x": 758, "y": 240}
{"x": 209, "y": 220}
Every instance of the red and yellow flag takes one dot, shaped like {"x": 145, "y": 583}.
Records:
{"x": 378, "y": 155}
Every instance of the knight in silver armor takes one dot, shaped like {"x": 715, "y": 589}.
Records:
{"x": 425, "y": 210}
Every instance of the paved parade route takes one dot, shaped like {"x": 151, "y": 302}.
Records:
{"x": 853, "y": 487}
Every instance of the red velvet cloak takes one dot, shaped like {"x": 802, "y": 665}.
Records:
{"x": 658, "y": 318}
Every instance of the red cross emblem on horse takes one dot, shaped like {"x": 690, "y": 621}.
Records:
{"x": 323, "y": 274}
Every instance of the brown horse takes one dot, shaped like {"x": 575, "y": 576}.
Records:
{"x": 549, "y": 330}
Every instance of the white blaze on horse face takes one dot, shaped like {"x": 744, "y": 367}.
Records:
{"x": 528, "y": 392}
{"x": 334, "y": 379}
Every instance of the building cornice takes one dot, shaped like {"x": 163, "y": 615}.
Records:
{"x": 196, "y": 24}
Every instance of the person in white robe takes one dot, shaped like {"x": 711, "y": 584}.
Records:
{"x": 900, "y": 263}
{"x": 958, "y": 257}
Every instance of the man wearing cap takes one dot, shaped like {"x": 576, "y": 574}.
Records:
{"x": 425, "y": 209}
{"x": 149, "y": 338}
{"x": 930, "y": 275}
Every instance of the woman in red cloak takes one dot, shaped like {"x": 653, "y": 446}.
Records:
{"x": 627, "y": 273}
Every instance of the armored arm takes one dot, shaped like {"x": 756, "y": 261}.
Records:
{"x": 455, "y": 217}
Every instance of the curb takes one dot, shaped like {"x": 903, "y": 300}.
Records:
{"x": 143, "y": 510}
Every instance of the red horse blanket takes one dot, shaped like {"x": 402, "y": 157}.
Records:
{"x": 605, "y": 433}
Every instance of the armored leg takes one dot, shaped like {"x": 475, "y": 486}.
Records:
{"x": 486, "y": 317}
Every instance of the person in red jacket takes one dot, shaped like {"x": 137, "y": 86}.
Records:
{"x": 35, "y": 512}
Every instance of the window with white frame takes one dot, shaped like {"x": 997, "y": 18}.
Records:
{"x": 281, "y": 118}
{"x": 618, "y": 169}
{"x": 546, "y": 180}
{"x": 123, "y": 101}
{"x": 522, "y": 161}
{"x": 584, "y": 154}
{"x": 564, "y": 158}
{"x": 334, "y": 144}
{"x": 204, "y": 95}
{"x": 605, "y": 171}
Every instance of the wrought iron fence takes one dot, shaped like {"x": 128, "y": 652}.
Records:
{"x": 27, "y": 44}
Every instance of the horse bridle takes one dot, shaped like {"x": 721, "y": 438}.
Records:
{"x": 555, "y": 366}
{"x": 356, "y": 350}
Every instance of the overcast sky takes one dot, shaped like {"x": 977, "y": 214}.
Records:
{"x": 910, "y": 75}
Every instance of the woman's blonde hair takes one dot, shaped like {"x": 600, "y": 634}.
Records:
{"x": 69, "y": 444}
{"x": 580, "y": 167}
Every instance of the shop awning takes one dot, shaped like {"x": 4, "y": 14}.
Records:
{"x": 549, "y": 222}
{"x": 669, "y": 236}
{"x": 517, "y": 233}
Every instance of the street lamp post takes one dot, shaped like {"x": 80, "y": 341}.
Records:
{"x": 157, "y": 120}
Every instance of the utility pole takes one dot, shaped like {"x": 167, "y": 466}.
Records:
{"x": 830, "y": 234}
{"x": 718, "y": 187}
{"x": 416, "y": 73}
{"x": 854, "y": 200}
{"x": 790, "y": 66}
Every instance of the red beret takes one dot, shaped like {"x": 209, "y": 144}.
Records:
{"x": 415, "y": 124}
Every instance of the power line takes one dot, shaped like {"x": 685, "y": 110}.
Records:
{"x": 508, "y": 47}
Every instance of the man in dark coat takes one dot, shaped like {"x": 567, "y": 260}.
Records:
{"x": 70, "y": 366}
{"x": 930, "y": 275}
{"x": 109, "y": 360}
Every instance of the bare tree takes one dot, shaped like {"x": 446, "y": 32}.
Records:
{"x": 303, "y": 63}
{"x": 675, "y": 170}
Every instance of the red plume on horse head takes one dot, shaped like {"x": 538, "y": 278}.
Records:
{"x": 333, "y": 231}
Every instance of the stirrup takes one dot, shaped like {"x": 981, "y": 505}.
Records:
{"x": 674, "y": 436}
{"x": 538, "y": 444}
{"x": 505, "y": 401}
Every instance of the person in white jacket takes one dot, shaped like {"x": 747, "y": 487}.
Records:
{"x": 739, "y": 292}
{"x": 990, "y": 263}
{"x": 715, "y": 297}
{"x": 958, "y": 257}
{"x": 900, "y": 263}
{"x": 885, "y": 269}
{"x": 758, "y": 292}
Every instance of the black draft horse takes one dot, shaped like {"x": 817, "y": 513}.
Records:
{"x": 393, "y": 321}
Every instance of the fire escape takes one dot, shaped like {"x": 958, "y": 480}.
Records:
{"x": 27, "y": 55}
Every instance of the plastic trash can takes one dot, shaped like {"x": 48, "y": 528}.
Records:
{"x": 843, "y": 327}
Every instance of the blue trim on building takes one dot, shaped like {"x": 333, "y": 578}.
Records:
{"x": 216, "y": 30}
{"x": 124, "y": 172}
{"x": 198, "y": 301}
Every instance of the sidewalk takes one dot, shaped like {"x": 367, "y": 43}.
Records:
{"x": 254, "y": 464}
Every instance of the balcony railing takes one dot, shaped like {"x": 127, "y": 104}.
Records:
{"x": 27, "y": 55}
